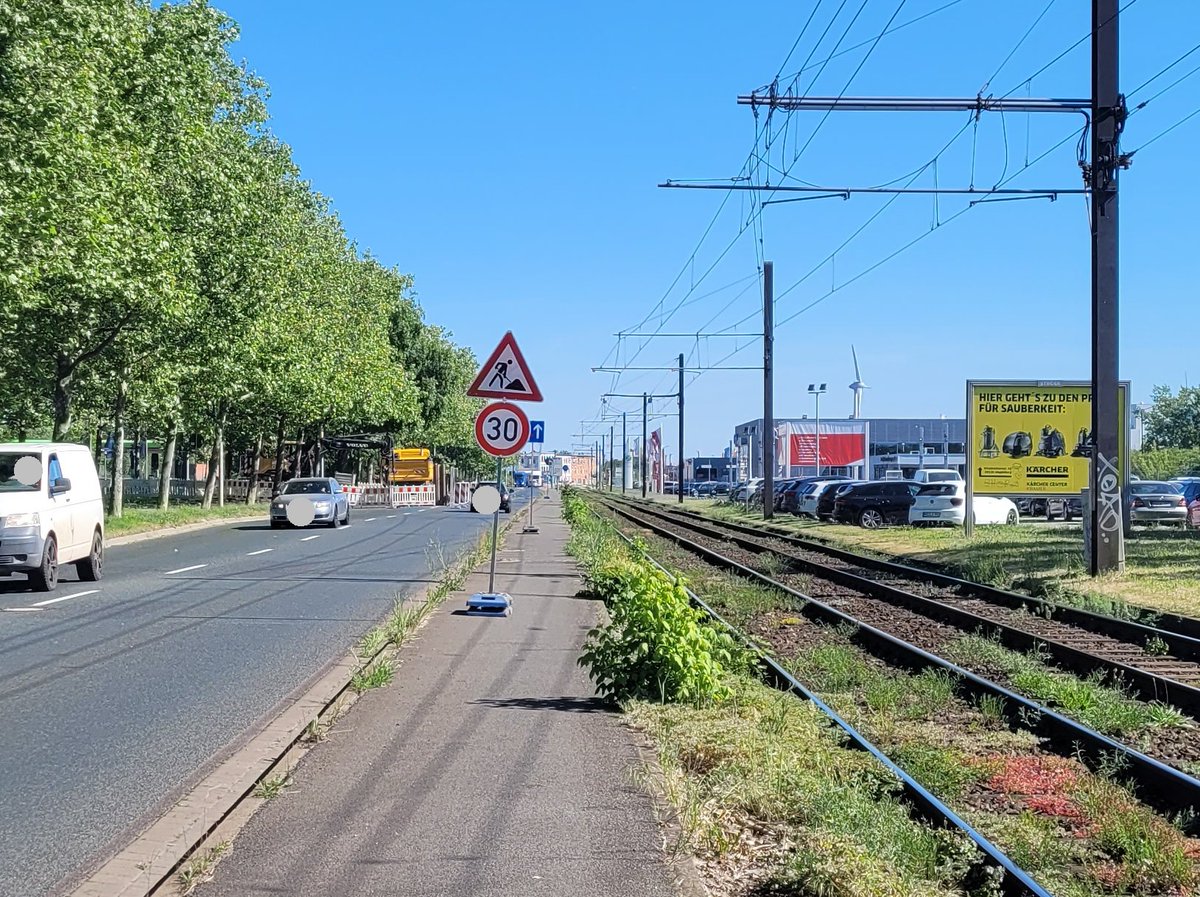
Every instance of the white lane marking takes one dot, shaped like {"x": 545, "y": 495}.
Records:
{"x": 185, "y": 569}
{"x": 369, "y": 519}
{"x": 65, "y": 598}
{"x": 260, "y": 551}
{"x": 391, "y": 516}
{"x": 17, "y": 610}
{"x": 309, "y": 538}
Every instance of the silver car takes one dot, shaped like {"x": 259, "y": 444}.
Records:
{"x": 330, "y": 505}
{"x": 1155, "y": 502}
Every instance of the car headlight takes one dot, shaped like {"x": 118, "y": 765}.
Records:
{"x": 279, "y": 506}
{"x": 321, "y": 505}
{"x": 12, "y": 521}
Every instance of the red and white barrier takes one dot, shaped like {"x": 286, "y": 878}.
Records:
{"x": 404, "y": 496}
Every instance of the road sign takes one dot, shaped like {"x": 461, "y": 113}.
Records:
{"x": 505, "y": 375}
{"x": 537, "y": 430}
{"x": 501, "y": 429}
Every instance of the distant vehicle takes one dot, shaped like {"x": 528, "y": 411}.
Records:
{"x": 825, "y": 503}
{"x": 670, "y": 488}
{"x": 947, "y": 503}
{"x": 937, "y": 475}
{"x": 505, "y": 495}
{"x": 1051, "y": 507}
{"x": 721, "y": 489}
{"x": 411, "y": 466}
{"x": 703, "y": 490}
{"x": 331, "y": 505}
{"x": 1156, "y": 502}
{"x": 53, "y": 518}
{"x": 893, "y": 474}
{"x": 811, "y": 494}
{"x": 872, "y": 505}
{"x": 1189, "y": 486}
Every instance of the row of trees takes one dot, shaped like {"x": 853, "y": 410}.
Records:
{"x": 164, "y": 266}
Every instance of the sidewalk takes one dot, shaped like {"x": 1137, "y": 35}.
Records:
{"x": 485, "y": 768}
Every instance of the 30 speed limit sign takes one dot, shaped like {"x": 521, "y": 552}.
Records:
{"x": 502, "y": 429}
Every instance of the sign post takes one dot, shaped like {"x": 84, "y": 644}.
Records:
{"x": 502, "y": 430}
{"x": 537, "y": 431}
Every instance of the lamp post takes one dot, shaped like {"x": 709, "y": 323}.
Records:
{"x": 816, "y": 394}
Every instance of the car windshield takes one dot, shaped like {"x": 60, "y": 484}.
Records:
{"x": 942, "y": 477}
{"x": 1154, "y": 489}
{"x": 307, "y": 487}
{"x": 8, "y": 473}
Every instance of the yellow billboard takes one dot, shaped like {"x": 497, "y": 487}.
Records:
{"x": 1034, "y": 437}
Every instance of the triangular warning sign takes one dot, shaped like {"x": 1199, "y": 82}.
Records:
{"x": 505, "y": 375}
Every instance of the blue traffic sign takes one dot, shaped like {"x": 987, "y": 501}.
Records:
{"x": 537, "y": 431}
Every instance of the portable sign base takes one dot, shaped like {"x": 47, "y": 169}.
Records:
{"x": 530, "y": 528}
{"x": 489, "y": 604}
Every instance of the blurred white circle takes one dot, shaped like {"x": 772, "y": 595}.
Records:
{"x": 28, "y": 470}
{"x": 300, "y": 511}
{"x": 486, "y": 500}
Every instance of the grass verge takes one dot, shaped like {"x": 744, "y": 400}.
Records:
{"x": 139, "y": 519}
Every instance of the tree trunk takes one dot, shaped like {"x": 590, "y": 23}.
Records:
{"x": 320, "y": 471}
{"x": 63, "y": 371}
{"x": 278, "y": 478}
{"x": 221, "y": 468}
{"x": 116, "y": 501}
{"x": 167, "y": 466}
{"x": 252, "y": 487}
{"x": 299, "y": 455}
{"x": 215, "y": 462}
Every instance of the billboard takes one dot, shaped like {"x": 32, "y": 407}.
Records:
{"x": 842, "y": 444}
{"x": 1029, "y": 437}
{"x": 656, "y": 461}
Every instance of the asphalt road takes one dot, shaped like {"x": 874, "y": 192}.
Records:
{"x": 119, "y": 694}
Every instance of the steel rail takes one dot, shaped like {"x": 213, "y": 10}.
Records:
{"x": 1149, "y": 685}
{"x": 1162, "y": 787}
{"x": 1015, "y": 881}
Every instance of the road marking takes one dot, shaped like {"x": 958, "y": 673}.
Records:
{"x": 65, "y": 598}
{"x": 309, "y": 538}
{"x": 369, "y": 519}
{"x": 260, "y": 551}
{"x": 391, "y": 517}
{"x": 185, "y": 569}
{"x": 17, "y": 610}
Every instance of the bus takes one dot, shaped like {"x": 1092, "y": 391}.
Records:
{"x": 411, "y": 466}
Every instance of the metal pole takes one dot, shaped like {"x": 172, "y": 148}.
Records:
{"x": 921, "y": 449}
{"x": 818, "y": 458}
{"x": 612, "y": 455}
{"x": 1108, "y": 114}
{"x": 645, "y": 402}
{"x": 679, "y": 469}
{"x": 624, "y": 456}
{"x": 768, "y": 390}
{"x": 495, "y": 535}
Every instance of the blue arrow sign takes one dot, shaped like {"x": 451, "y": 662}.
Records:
{"x": 537, "y": 430}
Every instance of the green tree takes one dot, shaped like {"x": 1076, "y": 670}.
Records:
{"x": 1173, "y": 421}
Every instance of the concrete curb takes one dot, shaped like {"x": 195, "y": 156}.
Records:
{"x": 185, "y": 528}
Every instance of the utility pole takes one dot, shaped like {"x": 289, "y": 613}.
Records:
{"x": 768, "y": 390}
{"x": 611, "y": 456}
{"x": 1108, "y": 117}
{"x": 624, "y": 456}
{"x": 645, "y": 402}
{"x": 679, "y": 469}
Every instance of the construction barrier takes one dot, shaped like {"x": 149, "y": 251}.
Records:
{"x": 406, "y": 496}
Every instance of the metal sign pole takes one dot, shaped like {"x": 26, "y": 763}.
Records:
{"x": 495, "y": 534}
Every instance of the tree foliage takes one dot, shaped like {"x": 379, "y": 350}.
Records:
{"x": 162, "y": 260}
{"x": 1173, "y": 421}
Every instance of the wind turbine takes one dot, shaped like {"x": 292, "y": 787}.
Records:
{"x": 857, "y": 387}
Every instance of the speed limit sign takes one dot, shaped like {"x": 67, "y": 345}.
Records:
{"x": 502, "y": 429}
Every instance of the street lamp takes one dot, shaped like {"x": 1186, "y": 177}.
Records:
{"x": 816, "y": 394}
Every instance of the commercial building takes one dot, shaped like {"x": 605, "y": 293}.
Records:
{"x": 864, "y": 448}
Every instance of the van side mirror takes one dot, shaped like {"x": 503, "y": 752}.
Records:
{"x": 59, "y": 486}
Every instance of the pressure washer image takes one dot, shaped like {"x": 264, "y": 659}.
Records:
{"x": 1051, "y": 444}
{"x": 989, "y": 449}
{"x": 1083, "y": 446}
{"x": 1018, "y": 445}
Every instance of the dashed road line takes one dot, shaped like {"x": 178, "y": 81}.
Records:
{"x": 64, "y": 598}
{"x": 185, "y": 569}
{"x": 260, "y": 551}
{"x": 369, "y": 519}
{"x": 17, "y": 610}
{"x": 309, "y": 538}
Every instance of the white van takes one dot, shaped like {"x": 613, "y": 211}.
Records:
{"x": 937, "y": 475}
{"x": 51, "y": 512}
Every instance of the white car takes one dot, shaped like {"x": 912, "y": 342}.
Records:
{"x": 947, "y": 503}
{"x": 51, "y": 512}
{"x": 806, "y": 505}
{"x": 937, "y": 475}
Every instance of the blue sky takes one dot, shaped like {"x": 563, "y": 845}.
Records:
{"x": 507, "y": 155}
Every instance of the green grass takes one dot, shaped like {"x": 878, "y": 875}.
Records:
{"x": 1104, "y": 708}
{"x": 377, "y": 675}
{"x": 272, "y": 787}
{"x": 142, "y": 519}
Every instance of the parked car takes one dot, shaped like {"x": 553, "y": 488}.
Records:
{"x": 1157, "y": 502}
{"x": 330, "y": 504}
{"x": 721, "y": 489}
{"x": 51, "y": 512}
{"x": 872, "y": 505}
{"x": 781, "y": 486}
{"x": 789, "y": 496}
{"x": 1189, "y": 486}
{"x": 811, "y": 494}
{"x": 937, "y": 475}
{"x": 947, "y": 503}
{"x": 670, "y": 488}
{"x": 704, "y": 489}
{"x": 824, "y": 510}
{"x": 505, "y": 496}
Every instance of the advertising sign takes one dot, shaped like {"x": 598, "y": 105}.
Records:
{"x": 843, "y": 444}
{"x": 1031, "y": 437}
{"x": 656, "y": 461}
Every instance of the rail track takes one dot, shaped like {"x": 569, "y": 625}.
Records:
{"x": 1158, "y": 784}
{"x": 1077, "y": 640}
{"x": 1013, "y": 880}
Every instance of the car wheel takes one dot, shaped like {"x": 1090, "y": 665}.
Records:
{"x": 1012, "y": 518}
{"x": 870, "y": 519}
{"x": 336, "y": 522}
{"x": 91, "y": 568}
{"x": 45, "y": 577}
{"x": 346, "y": 520}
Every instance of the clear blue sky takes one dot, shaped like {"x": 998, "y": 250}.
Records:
{"x": 507, "y": 155}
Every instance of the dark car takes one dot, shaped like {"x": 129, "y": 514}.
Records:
{"x": 721, "y": 489}
{"x": 828, "y": 497}
{"x": 790, "y": 502}
{"x": 871, "y": 505}
{"x": 505, "y": 496}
